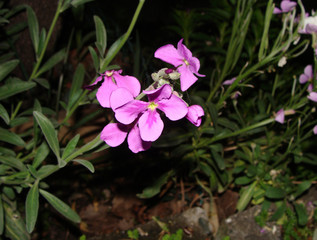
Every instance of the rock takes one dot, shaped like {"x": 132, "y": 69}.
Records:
{"x": 194, "y": 223}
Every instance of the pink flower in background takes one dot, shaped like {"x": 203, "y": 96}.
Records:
{"x": 285, "y": 6}
{"x": 114, "y": 135}
{"x": 113, "y": 80}
{"x": 312, "y": 96}
{"x": 307, "y": 75}
{"x": 229, "y": 82}
{"x": 182, "y": 58}
{"x": 280, "y": 116}
{"x": 195, "y": 112}
{"x": 309, "y": 25}
{"x": 315, "y": 129}
{"x": 127, "y": 110}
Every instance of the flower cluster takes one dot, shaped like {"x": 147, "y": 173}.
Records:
{"x": 140, "y": 121}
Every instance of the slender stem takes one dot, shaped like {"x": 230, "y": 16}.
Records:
{"x": 38, "y": 63}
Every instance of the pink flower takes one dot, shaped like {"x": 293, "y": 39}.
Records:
{"x": 127, "y": 110}
{"x": 183, "y": 59}
{"x": 113, "y": 80}
{"x": 308, "y": 74}
{"x": 286, "y": 6}
{"x": 309, "y": 25}
{"x": 114, "y": 134}
{"x": 312, "y": 96}
{"x": 229, "y": 82}
{"x": 280, "y": 116}
{"x": 195, "y": 112}
{"x": 315, "y": 129}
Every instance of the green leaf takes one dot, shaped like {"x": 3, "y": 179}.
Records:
{"x": 279, "y": 212}
{"x": 156, "y": 186}
{"x": 60, "y": 206}
{"x": 113, "y": 50}
{"x": 13, "y": 162}
{"x": 70, "y": 147}
{"x": 94, "y": 58}
{"x": 46, "y": 170}
{"x": 76, "y": 3}
{"x": 10, "y": 137}
{"x": 101, "y": 36}
{"x": 243, "y": 180}
{"x": 14, "y": 224}
{"x": 33, "y": 28}
{"x": 4, "y": 114}
{"x": 57, "y": 57}
{"x": 219, "y": 160}
{"x": 15, "y": 86}
{"x": 86, "y": 164}
{"x": 77, "y": 83}
{"x": 246, "y": 197}
{"x": 301, "y": 188}
{"x": 302, "y": 216}
{"x": 274, "y": 193}
{"x": 50, "y": 135}
{"x": 1, "y": 217}
{"x": 7, "y": 67}
{"x": 43, "y": 82}
{"x": 41, "y": 41}
{"x": 32, "y": 207}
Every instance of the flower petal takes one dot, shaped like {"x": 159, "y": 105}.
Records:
{"x": 119, "y": 97}
{"x": 128, "y": 82}
{"x": 287, "y": 6}
{"x": 184, "y": 51}
{"x": 315, "y": 130}
{"x": 312, "y": 96}
{"x": 127, "y": 113}
{"x": 114, "y": 134}
{"x": 168, "y": 53}
{"x": 280, "y": 116}
{"x": 104, "y": 92}
{"x": 195, "y": 112}
{"x": 309, "y": 71}
{"x": 136, "y": 144}
{"x": 187, "y": 78}
{"x": 174, "y": 108}
{"x": 151, "y": 126}
{"x": 164, "y": 92}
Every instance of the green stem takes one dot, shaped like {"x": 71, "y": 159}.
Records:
{"x": 49, "y": 34}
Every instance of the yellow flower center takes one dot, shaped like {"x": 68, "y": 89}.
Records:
{"x": 109, "y": 73}
{"x": 186, "y": 62}
{"x": 152, "y": 105}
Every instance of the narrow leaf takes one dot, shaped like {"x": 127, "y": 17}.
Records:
{"x": 12, "y": 162}
{"x": 4, "y": 114}
{"x": 7, "y": 67}
{"x": 33, "y": 28}
{"x": 302, "y": 216}
{"x": 1, "y": 217}
{"x": 49, "y": 132}
{"x": 77, "y": 83}
{"x": 94, "y": 58}
{"x": 57, "y": 57}
{"x": 86, "y": 164}
{"x": 14, "y": 87}
{"x": 219, "y": 160}
{"x": 274, "y": 193}
{"x": 76, "y": 3}
{"x": 70, "y": 147}
{"x": 246, "y": 197}
{"x": 41, "y": 41}
{"x": 101, "y": 36}
{"x": 112, "y": 52}
{"x": 32, "y": 207}
{"x": 60, "y": 206}
{"x": 10, "y": 137}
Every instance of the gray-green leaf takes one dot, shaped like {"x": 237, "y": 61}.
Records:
{"x": 7, "y": 67}
{"x": 4, "y": 114}
{"x": 101, "y": 36}
{"x": 86, "y": 164}
{"x": 60, "y": 206}
{"x": 10, "y": 137}
{"x": 32, "y": 207}
{"x": 15, "y": 86}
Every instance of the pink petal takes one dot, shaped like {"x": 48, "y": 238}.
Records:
{"x": 287, "y": 6}
{"x": 151, "y": 126}
{"x": 229, "y": 82}
{"x": 136, "y": 144}
{"x": 310, "y": 88}
{"x": 315, "y": 130}
{"x": 119, "y": 97}
{"x": 164, "y": 92}
{"x": 303, "y": 78}
{"x": 309, "y": 71}
{"x": 184, "y": 51}
{"x": 195, "y": 112}
{"x": 311, "y": 28}
{"x": 114, "y": 134}
{"x": 277, "y": 11}
{"x": 312, "y": 96}
{"x": 127, "y": 113}
{"x": 169, "y": 54}
{"x": 128, "y": 82}
{"x": 174, "y": 107}
{"x": 187, "y": 78}
{"x": 280, "y": 116}
{"x": 104, "y": 92}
